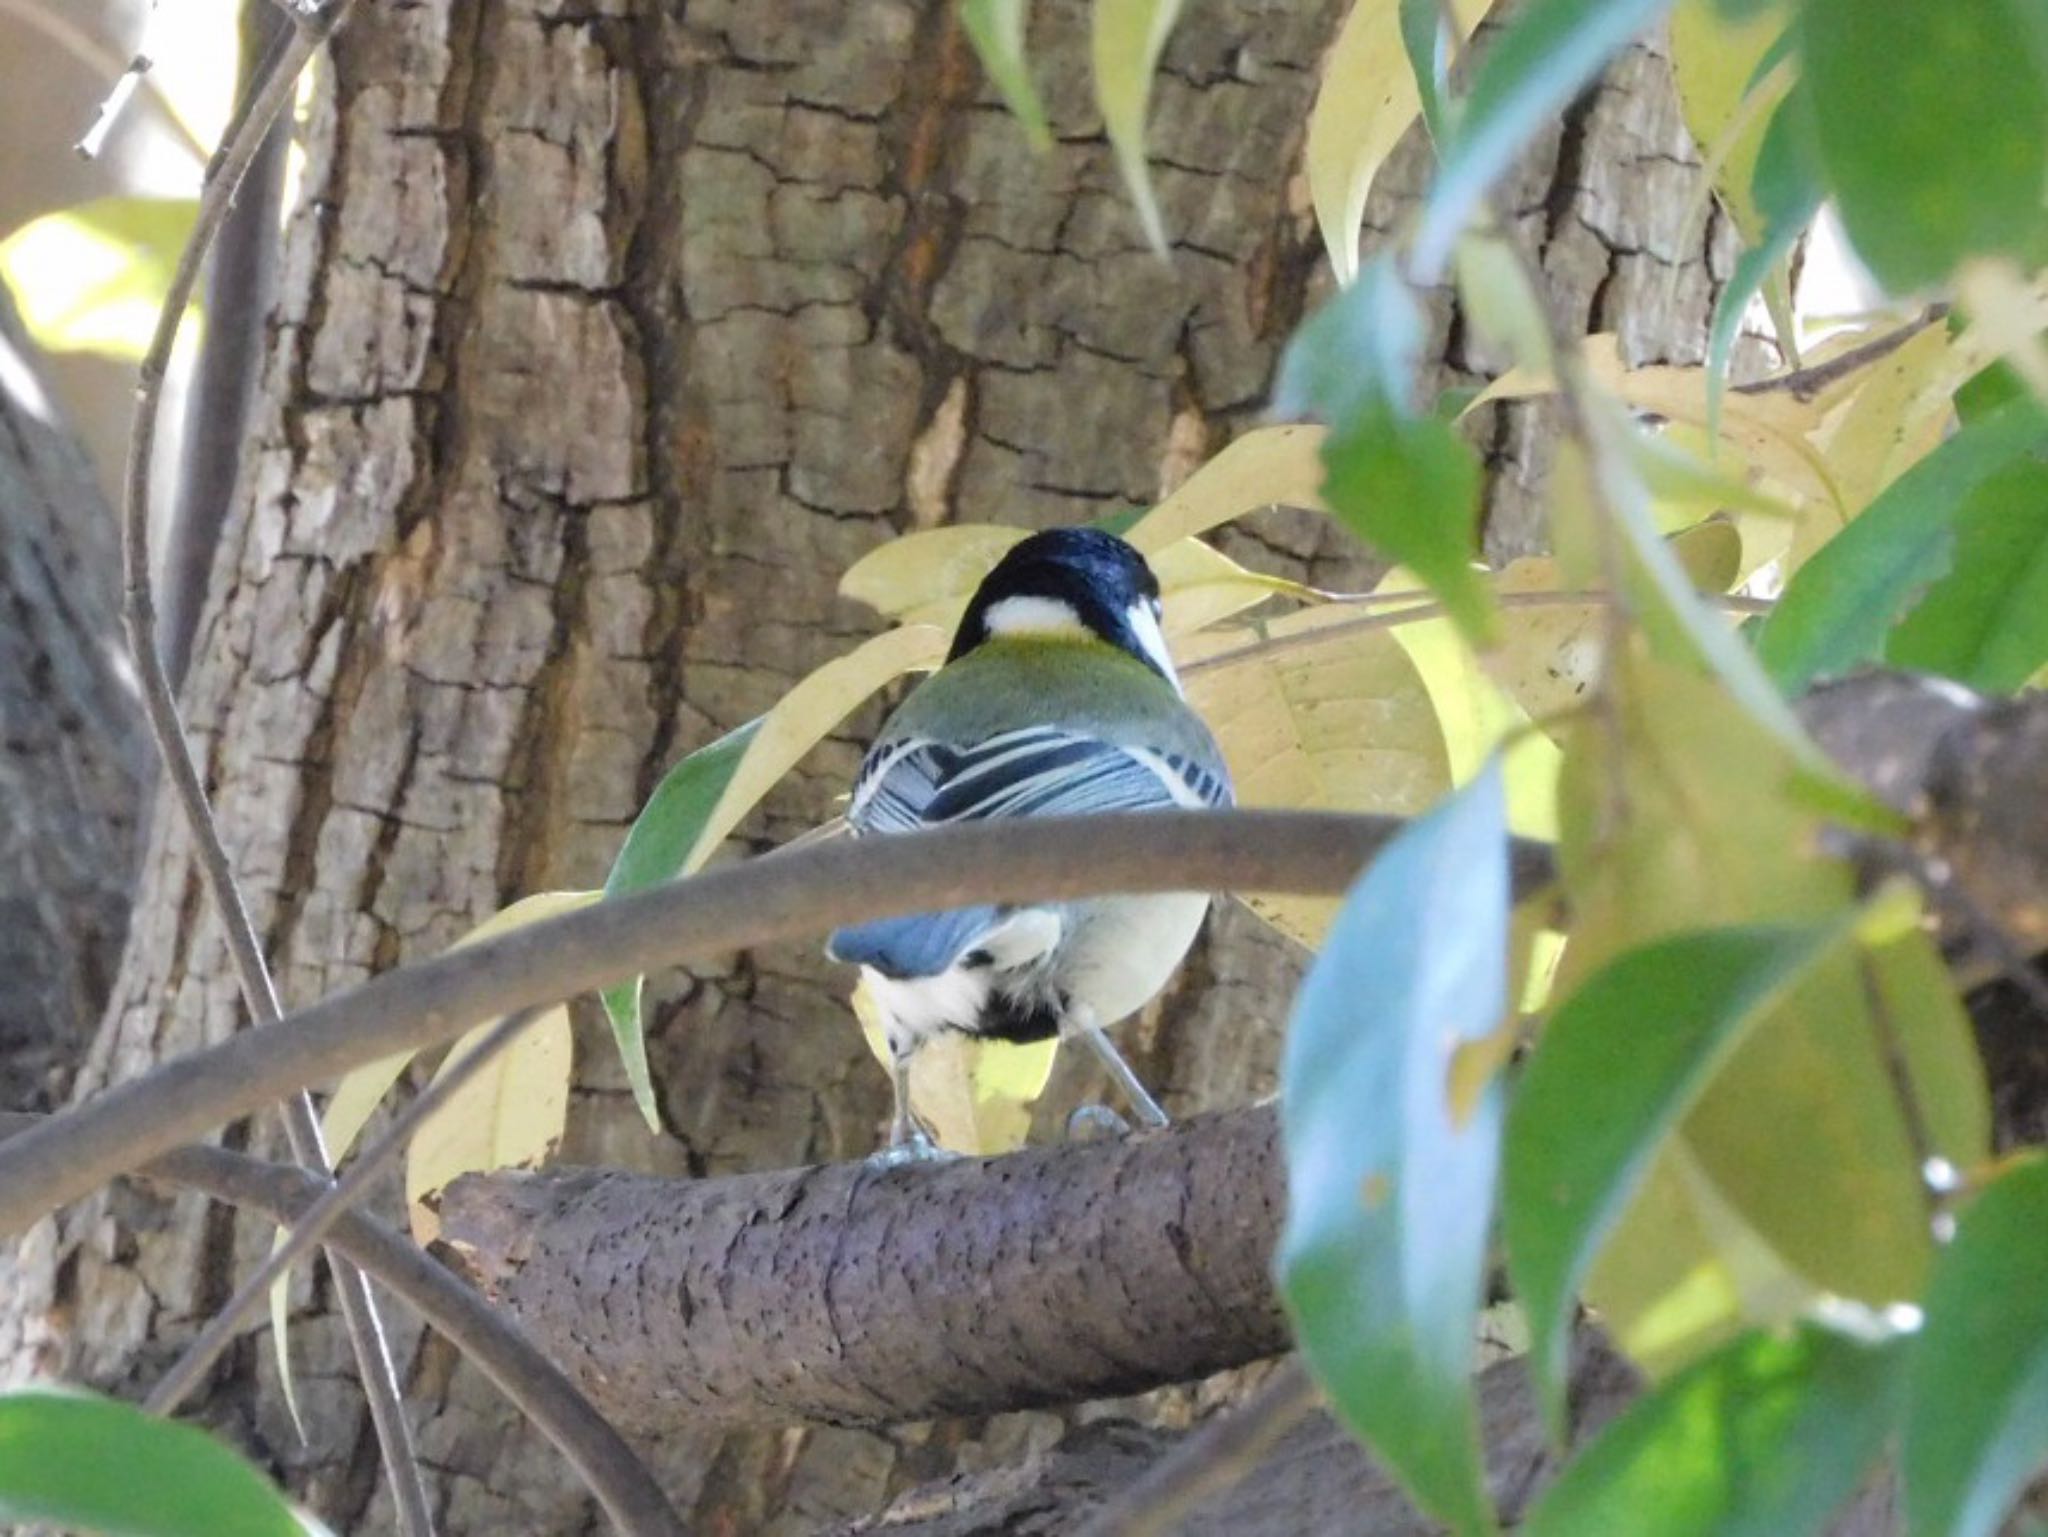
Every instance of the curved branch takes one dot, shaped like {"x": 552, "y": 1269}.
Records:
{"x": 533, "y": 1383}
{"x": 859, "y": 1295}
{"x": 793, "y": 895}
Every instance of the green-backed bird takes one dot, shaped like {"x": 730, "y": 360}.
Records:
{"x": 1058, "y": 698}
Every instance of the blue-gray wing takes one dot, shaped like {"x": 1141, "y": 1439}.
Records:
{"x": 1036, "y": 771}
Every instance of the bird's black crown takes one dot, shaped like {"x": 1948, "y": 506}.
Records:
{"x": 1097, "y": 575}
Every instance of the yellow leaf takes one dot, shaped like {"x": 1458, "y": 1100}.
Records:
{"x": 512, "y": 1113}
{"x": 1365, "y": 104}
{"x": 1267, "y": 467}
{"x": 1714, "y": 59}
{"x": 803, "y": 716}
{"x": 1200, "y": 586}
{"x": 973, "y": 1096}
{"x": 912, "y": 577}
{"x": 1338, "y": 723}
{"x": 1128, "y": 36}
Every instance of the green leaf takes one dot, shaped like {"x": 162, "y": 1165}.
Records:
{"x": 1787, "y": 192}
{"x": 1977, "y": 1383}
{"x": 92, "y": 277}
{"x": 1765, "y": 1438}
{"x": 1410, "y": 489}
{"x": 1836, "y": 610}
{"x": 1618, "y": 1066}
{"x": 1128, "y": 37}
{"x": 1986, "y": 623}
{"x": 657, "y": 845}
{"x": 1429, "y": 57}
{"x": 1933, "y": 125}
{"x": 75, "y": 1459}
{"x": 1383, "y": 1261}
{"x": 996, "y": 28}
{"x": 1407, "y": 484}
{"x": 1550, "y": 53}
{"x": 1357, "y": 354}
{"x": 703, "y": 798}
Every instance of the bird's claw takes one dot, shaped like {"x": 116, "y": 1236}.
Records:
{"x": 915, "y": 1147}
{"x": 1096, "y": 1123}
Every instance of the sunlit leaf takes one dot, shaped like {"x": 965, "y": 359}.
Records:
{"x": 1714, "y": 65}
{"x": 1838, "y": 608}
{"x": 1321, "y": 716}
{"x": 1977, "y": 1379}
{"x": 74, "y": 1459}
{"x": 1766, "y": 1438}
{"x": 1932, "y": 121}
{"x": 1266, "y": 467}
{"x": 1680, "y": 812}
{"x": 1368, "y": 99}
{"x": 1383, "y": 1261}
{"x": 996, "y": 28}
{"x": 1618, "y": 1066}
{"x": 1128, "y": 37}
{"x": 1986, "y": 622}
{"x": 974, "y": 1095}
{"x": 704, "y": 797}
{"x": 1548, "y": 54}
{"x": 93, "y": 276}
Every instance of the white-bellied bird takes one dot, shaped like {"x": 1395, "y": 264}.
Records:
{"x": 1057, "y": 699}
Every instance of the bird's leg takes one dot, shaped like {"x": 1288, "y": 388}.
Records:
{"x": 909, "y": 1142}
{"x": 1142, "y": 1103}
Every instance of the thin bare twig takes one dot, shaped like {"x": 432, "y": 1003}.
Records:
{"x": 484, "y": 1335}
{"x": 340, "y": 1194}
{"x": 790, "y": 895}
{"x": 1804, "y": 384}
{"x": 246, "y": 134}
{"x": 1422, "y": 608}
{"x": 49, "y": 18}
{"x": 1211, "y": 1460}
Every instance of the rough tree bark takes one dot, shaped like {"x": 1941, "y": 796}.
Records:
{"x": 71, "y": 745}
{"x": 609, "y": 334}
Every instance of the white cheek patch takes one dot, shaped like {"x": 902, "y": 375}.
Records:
{"x": 1033, "y": 616}
{"x": 1145, "y": 627}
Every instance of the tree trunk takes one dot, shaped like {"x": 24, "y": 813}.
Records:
{"x": 608, "y": 338}
{"x": 71, "y": 745}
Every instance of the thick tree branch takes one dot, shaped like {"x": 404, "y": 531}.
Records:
{"x": 794, "y": 895}
{"x": 858, "y": 1295}
{"x": 284, "y": 1194}
{"x": 972, "y": 1287}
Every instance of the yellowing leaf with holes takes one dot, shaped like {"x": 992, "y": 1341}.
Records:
{"x": 1549, "y": 658}
{"x": 1714, "y": 59}
{"x": 1314, "y": 712}
{"x": 511, "y": 1114}
{"x": 1367, "y": 101}
{"x": 973, "y": 1096}
{"x": 1268, "y": 467}
{"x": 1128, "y": 37}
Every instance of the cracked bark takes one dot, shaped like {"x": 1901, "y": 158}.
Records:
{"x": 71, "y": 746}
{"x": 607, "y": 336}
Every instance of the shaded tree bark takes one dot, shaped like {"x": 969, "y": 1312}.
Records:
{"x": 608, "y": 336}
{"x": 71, "y": 745}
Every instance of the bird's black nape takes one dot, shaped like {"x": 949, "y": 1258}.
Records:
{"x": 1097, "y": 576}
